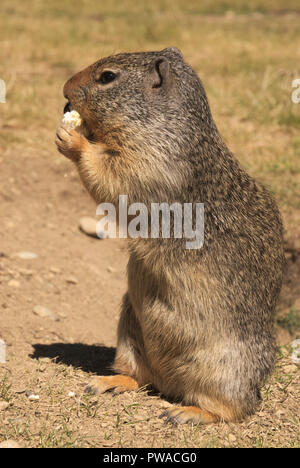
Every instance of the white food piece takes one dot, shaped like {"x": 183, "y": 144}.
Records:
{"x": 72, "y": 119}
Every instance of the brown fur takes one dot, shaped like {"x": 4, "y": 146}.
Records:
{"x": 196, "y": 324}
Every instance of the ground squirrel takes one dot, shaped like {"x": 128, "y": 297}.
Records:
{"x": 196, "y": 324}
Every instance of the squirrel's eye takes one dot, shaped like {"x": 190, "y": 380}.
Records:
{"x": 107, "y": 77}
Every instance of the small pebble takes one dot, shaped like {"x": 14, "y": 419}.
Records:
{"x": 32, "y": 396}
{"x": 14, "y": 283}
{"x": 296, "y": 357}
{"x": 55, "y": 270}
{"x": 10, "y": 443}
{"x": 3, "y": 405}
{"x": 26, "y": 255}
{"x": 232, "y": 438}
{"x": 111, "y": 269}
{"x": 296, "y": 343}
{"x": 42, "y": 311}
{"x": 62, "y": 315}
{"x": 296, "y": 352}
{"x": 89, "y": 227}
{"x": 71, "y": 280}
{"x": 2, "y": 352}
{"x": 26, "y": 272}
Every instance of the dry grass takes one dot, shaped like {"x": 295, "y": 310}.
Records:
{"x": 247, "y": 54}
{"x": 132, "y": 419}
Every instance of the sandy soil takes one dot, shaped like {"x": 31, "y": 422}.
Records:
{"x": 81, "y": 281}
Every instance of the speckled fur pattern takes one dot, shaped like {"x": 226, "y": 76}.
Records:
{"x": 196, "y": 324}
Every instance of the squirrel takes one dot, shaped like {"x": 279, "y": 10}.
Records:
{"x": 195, "y": 324}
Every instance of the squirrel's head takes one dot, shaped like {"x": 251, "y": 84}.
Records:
{"x": 138, "y": 101}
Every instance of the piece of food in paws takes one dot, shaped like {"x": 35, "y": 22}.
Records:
{"x": 72, "y": 119}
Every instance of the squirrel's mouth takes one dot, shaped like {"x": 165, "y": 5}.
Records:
{"x": 83, "y": 129}
{"x": 68, "y": 107}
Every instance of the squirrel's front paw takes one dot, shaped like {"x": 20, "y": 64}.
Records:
{"x": 69, "y": 142}
{"x": 112, "y": 383}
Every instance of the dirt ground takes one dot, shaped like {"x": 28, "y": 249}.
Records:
{"x": 81, "y": 280}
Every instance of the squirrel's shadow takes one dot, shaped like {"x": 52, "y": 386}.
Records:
{"x": 89, "y": 358}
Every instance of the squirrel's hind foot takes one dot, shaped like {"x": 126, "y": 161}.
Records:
{"x": 188, "y": 414}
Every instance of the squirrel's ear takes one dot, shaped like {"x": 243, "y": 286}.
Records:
{"x": 172, "y": 51}
{"x": 160, "y": 73}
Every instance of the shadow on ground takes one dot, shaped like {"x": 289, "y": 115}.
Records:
{"x": 89, "y": 358}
